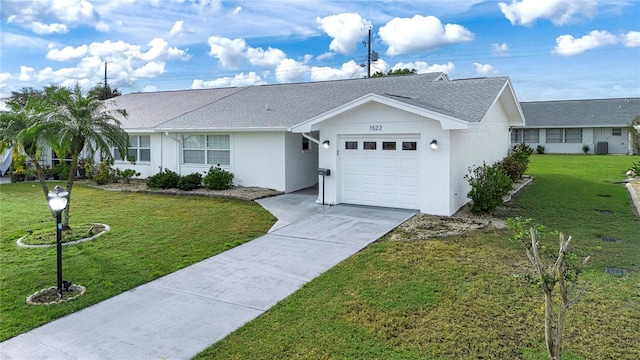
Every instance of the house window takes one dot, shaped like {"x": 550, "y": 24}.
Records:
{"x": 206, "y": 149}
{"x": 616, "y": 132}
{"x": 369, "y": 145}
{"x": 409, "y": 145}
{"x": 555, "y": 136}
{"x": 573, "y": 136}
{"x": 388, "y": 145}
{"x": 305, "y": 144}
{"x": 529, "y": 136}
{"x": 570, "y": 136}
{"x": 351, "y": 145}
{"x": 140, "y": 149}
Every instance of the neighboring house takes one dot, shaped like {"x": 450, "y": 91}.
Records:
{"x": 564, "y": 127}
{"x": 377, "y": 135}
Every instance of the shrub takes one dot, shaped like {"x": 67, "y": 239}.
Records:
{"x": 516, "y": 163}
{"x": 218, "y": 179}
{"x": 105, "y": 173}
{"x": 635, "y": 169}
{"x": 190, "y": 182}
{"x": 540, "y": 149}
{"x": 489, "y": 185}
{"x": 166, "y": 179}
{"x": 127, "y": 174}
{"x": 586, "y": 148}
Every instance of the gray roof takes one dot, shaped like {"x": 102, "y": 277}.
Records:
{"x": 285, "y": 105}
{"x": 581, "y": 113}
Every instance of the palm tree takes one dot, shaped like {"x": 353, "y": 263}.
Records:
{"x": 23, "y": 130}
{"x": 80, "y": 121}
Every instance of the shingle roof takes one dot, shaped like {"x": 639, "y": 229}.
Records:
{"x": 285, "y": 105}
{"x": 581, "y": 113}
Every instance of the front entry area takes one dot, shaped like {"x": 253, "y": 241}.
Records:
{"x": 380, "y": 170}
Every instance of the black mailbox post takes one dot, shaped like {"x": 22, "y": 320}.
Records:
{"x": 323, "y": 172}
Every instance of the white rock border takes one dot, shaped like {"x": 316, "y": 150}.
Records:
{"x": 21, "y": 244}
{"x": 74, "y": 287}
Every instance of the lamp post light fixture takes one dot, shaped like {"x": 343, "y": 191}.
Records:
{"x": 325, "y": 144}
{"x": 434, "y": 145}
{"x": 58, "y": 199}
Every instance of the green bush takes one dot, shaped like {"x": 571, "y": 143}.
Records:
{"x": 105, "y": 173}
{"x": 489, "y": 185}
{"x": 585, "y": 149}
{"x": 166, "y": 179}
{"x": 190, "y": 182}
{"x": 126, "y": 174}
{"x": 218, "y": 179}
{"x": 540, "y": 149}
{"x": 516, "y": 163}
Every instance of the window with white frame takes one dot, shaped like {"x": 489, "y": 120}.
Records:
{"x": 529, "y": 136}
{"x": 616, "y": 131}
{"x": 140, "y": 149}
{"x": 206, "y": 149}
{"x": 569, "y": 136}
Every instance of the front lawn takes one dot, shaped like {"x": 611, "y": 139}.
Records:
{"x": 461, "y": 297}
{"x": 151, "y": 235}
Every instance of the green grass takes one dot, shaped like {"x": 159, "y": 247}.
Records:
{"x": 151, "y": 235}
{"x": 459, "y": 297}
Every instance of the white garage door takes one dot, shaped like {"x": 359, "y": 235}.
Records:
{"x": 380, "y": 171}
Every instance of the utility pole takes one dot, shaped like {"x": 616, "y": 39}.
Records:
{"x": 369, "y": 54}
{"x": 105, "y": 79}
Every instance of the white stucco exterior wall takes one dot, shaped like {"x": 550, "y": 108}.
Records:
{"x": 301, "y": 167}
{"x": 487, "y": 141}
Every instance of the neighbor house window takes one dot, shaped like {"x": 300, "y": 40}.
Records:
{"x": 555, "y": 136}
{"x": 616, "y": 132}
{"x": 206, "y": 149}
{"x": 140, "y": 149}
{"x": 571, "y": 136}
{"x": 528, "y": 136}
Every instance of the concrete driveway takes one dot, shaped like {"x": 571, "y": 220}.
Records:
{"x": 181, "y": 314}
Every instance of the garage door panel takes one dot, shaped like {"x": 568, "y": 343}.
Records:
{"x": 380, "y": 177}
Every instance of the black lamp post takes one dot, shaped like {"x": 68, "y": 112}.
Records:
{"x": 58, "y": 199}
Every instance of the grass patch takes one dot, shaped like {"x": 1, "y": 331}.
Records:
{"x": 151, "y": 235}
{"x": 461, "y": 297}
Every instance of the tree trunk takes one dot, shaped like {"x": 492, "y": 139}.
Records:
{"x": 549, "y": 335}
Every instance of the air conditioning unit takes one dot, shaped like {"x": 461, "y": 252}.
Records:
{"x": 602, "y": 148}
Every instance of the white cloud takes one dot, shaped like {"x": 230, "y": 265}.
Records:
{"x": 4, "y": 77}
{"x": 260, "y": 57}
{"x": 500, "y": 49}
{"x": 484, "y": 69}
{"x": 560, "y": 12}
{"x": 178, "y": 28}
{"x": 567, "y": 45}
{"x": 348, "y": 70}
{"x": 150, "y": 88}
{"x": 67, "y": 53}
{"x": 290, "y": 70}
{"x": 26, "y": 73}
{"x": 149, "y": 70}
{"x": 631, "y": 39}
{"x": 45, "y": 29}
{"x": 229, "y": 52}
{"x": 404, "y": 35}
{"x": 423, "y": 67}
{"x": 239, "y": 80}
{"x": 346, "y": 29}
{"x": 237, "y": 10}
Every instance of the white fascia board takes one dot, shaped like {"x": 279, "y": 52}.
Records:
{"x": 213, "y": 129}
{"x": 139, "y": 130}
{"x": 447, "y": 122}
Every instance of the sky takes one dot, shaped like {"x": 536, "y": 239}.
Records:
{"x": 550, "y": 49}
